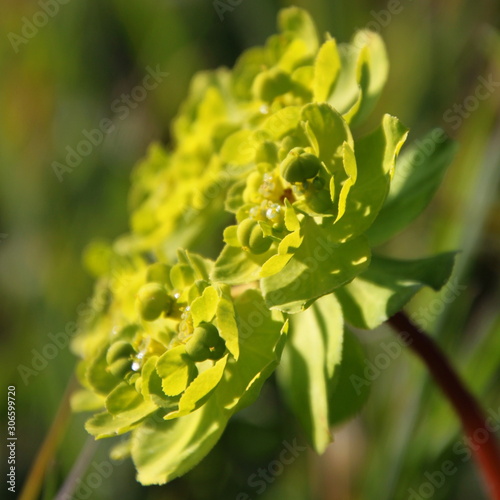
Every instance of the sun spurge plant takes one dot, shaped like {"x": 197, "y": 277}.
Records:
{"x": 267, "y": 162}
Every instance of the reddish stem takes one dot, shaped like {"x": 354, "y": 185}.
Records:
{"x": 481, "y": 440}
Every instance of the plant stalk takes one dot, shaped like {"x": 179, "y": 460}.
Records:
{"x": 481, "y": 440}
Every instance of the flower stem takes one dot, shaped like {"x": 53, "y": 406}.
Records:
{"x": 480, "y": 438}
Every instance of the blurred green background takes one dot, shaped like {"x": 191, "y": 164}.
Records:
{"x": 62, "y": 72}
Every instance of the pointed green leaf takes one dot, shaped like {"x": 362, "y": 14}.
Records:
{"x": 326, "y": 69}
{"x": 199, "y": 390}
{"x": 418, "y": 175}
{"x": 375, "y": 158}
{"x": 309, "y": 364}
{"x": 388, "y": 285}
{"x": 350, "y": 389}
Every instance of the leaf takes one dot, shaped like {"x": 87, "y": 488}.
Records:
{"x": 351, "y": 170}
{"x": 281, "y": 122}
{"x": 371, "y": 71}
{"x": 163, "y": 450}
{"x": 176, "y": 370}
{"x": 199, "y": 390}
{"x": 309, "y": 364}
{"x": 235, "y": 266}
{"x": 203, "y": 308}
{"x": 326, "y": 70}
{"x": 103, "y": 425}
{"x": 98, "y": 376}
{"x": 375, "y": 158}
{"x": 418, "y": 175}
{"x": 262, "y": 334}
{"x": 318, "y": 267}
{"x": 226, "y": 322}
{"x": 124, "y": 401}
{"x": 239, "y": 148}
{"x": 351, "y": 389}
{"x": 388, "y": 285}
{"x": 299, "y": 24}
{"x": 326, "y": 130}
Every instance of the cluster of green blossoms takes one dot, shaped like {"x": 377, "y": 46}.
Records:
{"x": 264, "y": 156}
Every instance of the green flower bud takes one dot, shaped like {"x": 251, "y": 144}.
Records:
{"x": 196, "y": 350}
{"x": 205, "y": 343}
{"x": 251, "y": 237}
{"x": 119, "y": 350}
{"x": 120, "y": 367}
{"x": 152, "y": 300}
{"x": 319, "y": 201}
{"x": 159, "y": 273}
{"x": 270, "y": 84}
{"x": 299, "y": 166}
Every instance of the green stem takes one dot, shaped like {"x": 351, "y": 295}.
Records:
{"x": 482, "y": 441}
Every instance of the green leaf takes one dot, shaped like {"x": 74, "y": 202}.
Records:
{"x": 98, "y": 376}
{"x": 235, "y": 265}
{"x": 281, "y": 122}
{"x": 326, "y": 70}
{"x": 199, "y": 390}
{"x": 239, "y": 148}
{"x": 418, "y": 175}
{"x": 163, "y": 450}
{"x": 309, "y": 364}
{"x": 375, "y": 158}
{"x": 388, "y": 285}
{"x": 262, "y": 335}
{"x": 127, "y": 403}
{"x": 299, "y": 24}
{"x": 327, "y": 131}
{"x": 371, "y": 71}
{"x": 226, "y": 322}
{"x": 318, "y": 267}
{"x": 176, "y": 370}
{"x": 203, "y": 308}
{"x": 103, "y": 425}
{"x": 351, "y": 389}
